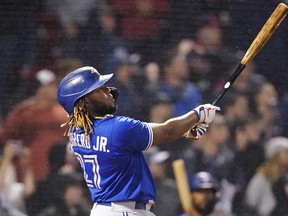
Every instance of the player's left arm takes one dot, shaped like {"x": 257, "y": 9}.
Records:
{"x": 174, "y": 128}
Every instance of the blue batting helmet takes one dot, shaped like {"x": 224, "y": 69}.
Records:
{"x": 77, "y": 84}
{"x": 203, "y": 180}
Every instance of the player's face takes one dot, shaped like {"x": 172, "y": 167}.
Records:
{"x": 100, "y": 101}
{"x": 203, "y": 200}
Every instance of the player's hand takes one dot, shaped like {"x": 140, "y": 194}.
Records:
{"x": 206, "y": 113}
{"x": 196, "y": 132}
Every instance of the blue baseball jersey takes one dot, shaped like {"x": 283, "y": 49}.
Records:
{"x": 112, "y": 160}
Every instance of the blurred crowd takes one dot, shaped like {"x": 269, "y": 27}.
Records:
{"x": 167, "y": 57}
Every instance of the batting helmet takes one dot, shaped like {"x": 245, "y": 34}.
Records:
{"x": 77, "y": 84}
{"x": 203, "y": 180}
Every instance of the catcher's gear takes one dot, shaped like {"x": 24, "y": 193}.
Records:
{"x": 206, "y": 113}
{"x": 79, "y": 83}
{"x": 196, "y": 132}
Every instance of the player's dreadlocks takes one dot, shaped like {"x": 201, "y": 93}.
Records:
{"x": 79, "y": 119}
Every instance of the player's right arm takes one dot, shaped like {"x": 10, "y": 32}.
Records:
{"x": 174, "y": 128}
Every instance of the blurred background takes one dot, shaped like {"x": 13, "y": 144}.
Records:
{"x": 167, "y": 56}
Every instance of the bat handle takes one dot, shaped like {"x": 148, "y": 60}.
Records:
{"x": 219, "y": 97}
{"x": 229, "y": 83}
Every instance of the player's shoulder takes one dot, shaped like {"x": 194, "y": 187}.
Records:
{"x": 126, "y": 122}
{"x": 123, "y": 119}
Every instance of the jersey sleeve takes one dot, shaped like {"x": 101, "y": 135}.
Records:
{"x": 132, "y": 135}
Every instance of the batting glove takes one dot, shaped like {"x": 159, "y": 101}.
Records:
{"x": 196, "y": 132}
{"x": 206, "y": 113}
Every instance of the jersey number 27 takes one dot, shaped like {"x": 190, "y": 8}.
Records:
{"x": 90, "y": 167}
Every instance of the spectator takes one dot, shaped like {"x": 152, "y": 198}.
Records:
{"x": 206, "y": 55}
{"x": 101, "y": 41}
{"x": 32, "y": 80}
{"x": 265, "y": 102}
{"x": 259, "y": 196}
{"x": 166, "y": 187}
{"x": 211, "y": 153}
{"x": 152, "y": 75}
{"x": 45, "y": 193}
{"x": 140, "y": 24}
{"x": 49, "y": 34}
{"x": 12, "y": 191}
{"x": 131, "y": 92}
{"x": 186, "y": 17}
{"x": 35, "y": 121}
{"x": 72, "y": 14}
{"x": 160, "y": 110}
{"x": 209, "y": 39}
{"x": 235, "y": 106}
{"x": 175, "y": 84}
{"x": 280, "y": 191}
{"x": 73, "y": 17}
{"x": 62, "y": 66}
{"x": 199, "y": 73}
{"x": 69, "y": 198}
{"x": 248, "y": 152}
{"x": 61, "y": 162}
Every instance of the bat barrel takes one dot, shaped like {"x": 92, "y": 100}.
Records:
{"x": 260, "y": 40}
{"x": 265, "y": 33}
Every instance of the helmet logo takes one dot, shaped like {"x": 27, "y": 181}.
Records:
{"x": 205, "y": 178}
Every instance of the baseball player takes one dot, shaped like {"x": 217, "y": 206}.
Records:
{"x": 204, "y": 193}
{"x": 109, "y": 148}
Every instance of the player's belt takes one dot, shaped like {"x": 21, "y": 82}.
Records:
{"x": 146, "y": 205}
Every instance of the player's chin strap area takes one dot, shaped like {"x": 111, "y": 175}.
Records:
{"x": 128, "y": 206}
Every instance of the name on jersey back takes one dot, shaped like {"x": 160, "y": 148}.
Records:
{"x": 79, "y": 140}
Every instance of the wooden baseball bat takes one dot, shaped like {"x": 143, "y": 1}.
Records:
{"x": 182, "y": 185}
{"x": 258, "y": 43}
{"x": 260, "y": 40}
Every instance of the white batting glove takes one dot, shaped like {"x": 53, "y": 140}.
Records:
{"x": 206, "y": 113}
{"x": 196, "y": 132}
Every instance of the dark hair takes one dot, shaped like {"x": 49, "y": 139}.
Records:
{"x": 241, "y": 123}
{"x": 231, "y": 98}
